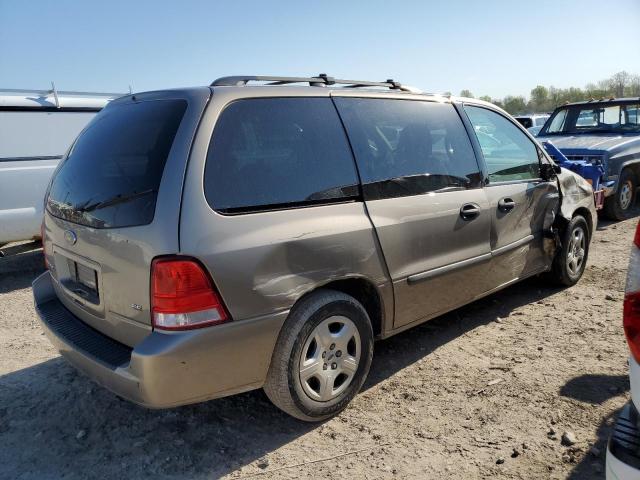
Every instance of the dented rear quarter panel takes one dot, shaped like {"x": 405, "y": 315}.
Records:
{"x": 263, "y": 262}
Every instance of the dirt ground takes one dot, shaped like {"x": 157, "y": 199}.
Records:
{"x": 477, "y": 393}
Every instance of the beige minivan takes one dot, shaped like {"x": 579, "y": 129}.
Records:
{"x": 261, "y": 232}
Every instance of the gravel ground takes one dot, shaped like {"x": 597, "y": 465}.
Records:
{"x": 484, "y": 392}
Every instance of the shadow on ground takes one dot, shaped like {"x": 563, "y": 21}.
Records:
{"x": 21, "y": 264}
{"x": 55, "y": 422}
{"x": 595, "y": 389}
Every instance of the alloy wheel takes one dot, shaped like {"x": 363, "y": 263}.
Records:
{"x": 330, "y": 358}
{"x": 576, "y": 250}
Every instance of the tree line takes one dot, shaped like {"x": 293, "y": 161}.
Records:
{"x": 546, "y": 99}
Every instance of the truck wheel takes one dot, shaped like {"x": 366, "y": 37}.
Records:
{"x": 571, "y": 260}
{"x": 322, "y": 356}
{"x": 620, "y": 206}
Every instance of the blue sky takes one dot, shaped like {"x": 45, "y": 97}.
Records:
{"x": 492, "y": 47}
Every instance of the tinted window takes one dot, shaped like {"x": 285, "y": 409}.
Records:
{"x": 278, "y": 152}
{"x": 408, "y": 147}
{"x": 112, "y": 174}
{"x": 508, "y": 152}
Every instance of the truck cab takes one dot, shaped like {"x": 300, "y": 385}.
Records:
{"x": 602, "y": 133}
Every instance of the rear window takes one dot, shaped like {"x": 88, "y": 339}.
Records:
{"x": 274, "y": 153}
{"x": 112, "y": 174}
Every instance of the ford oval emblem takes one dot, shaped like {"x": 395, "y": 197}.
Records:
{"x": 70, "y": 237}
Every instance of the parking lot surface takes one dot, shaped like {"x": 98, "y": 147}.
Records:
{"x": 487, "y": 391}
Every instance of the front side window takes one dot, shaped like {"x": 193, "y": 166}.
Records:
{"x": 509, "y": 154}
{"x": 406, "y": 147}
{"x": 270, "y": 153}
{"x": 557, "y": 121}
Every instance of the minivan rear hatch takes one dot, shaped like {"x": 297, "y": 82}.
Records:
{"x": 114, "y": 204}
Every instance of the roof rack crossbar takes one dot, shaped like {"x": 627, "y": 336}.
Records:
{"x": 321, "y": 80}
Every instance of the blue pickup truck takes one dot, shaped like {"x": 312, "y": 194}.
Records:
{"x": 604, "y": 134}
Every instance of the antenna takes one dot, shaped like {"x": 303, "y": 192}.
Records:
{"x": 55, "y": 94}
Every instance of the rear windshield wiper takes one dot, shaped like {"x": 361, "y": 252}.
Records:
{"x": 120, "y": 198}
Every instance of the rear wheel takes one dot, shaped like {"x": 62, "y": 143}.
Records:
{"x": 322, "y": 356}
{"x": 620, "y": 205}
{"x": 570, "y": 261}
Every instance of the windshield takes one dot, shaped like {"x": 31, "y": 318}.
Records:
{"x": 112, "y": 173}
{"x": 595, "y": 118}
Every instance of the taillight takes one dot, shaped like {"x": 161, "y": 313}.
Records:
{"x": 631, "y": 315}
{"x": 183, "y": 296}
{"x": 44, "y": 247}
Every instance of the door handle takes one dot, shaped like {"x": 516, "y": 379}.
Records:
{"x": 469, "y": 211}
{"x": 506, "y": 204}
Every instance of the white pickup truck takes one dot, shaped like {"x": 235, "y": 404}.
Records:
{"x": 36, "y": 129}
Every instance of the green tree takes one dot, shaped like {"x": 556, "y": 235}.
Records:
{"x": 619, "y": 82}
{"x": 466, "y": 93}
{"x": 485, "y": 98}
{"x": 545, "y": 99}
{"x": 515, "y": 105}
{"x": 633, "y": 89}
{"x": 539, "y": 101}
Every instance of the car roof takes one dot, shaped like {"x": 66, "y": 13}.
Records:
{"x": 602, "y": 101}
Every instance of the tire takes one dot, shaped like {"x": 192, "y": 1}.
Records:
{"x": 568, "y": 265}
{"x": 331, "y": 379}
{"x": 621, "y": 205}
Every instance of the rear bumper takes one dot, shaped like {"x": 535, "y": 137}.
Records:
{"x": 165, "y": 369}
{"x": 623, "y": 452}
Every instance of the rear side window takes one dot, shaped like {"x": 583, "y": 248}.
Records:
{"x": 271, "y": 153}
{"x": 406, "y": 147}
{"x": 112, "y": 173}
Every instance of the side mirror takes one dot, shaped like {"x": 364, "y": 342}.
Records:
{"x": 548, "y": 171}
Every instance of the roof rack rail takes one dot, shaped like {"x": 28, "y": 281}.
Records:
{"x": 320, "y": 81}
{"x": 46, "y": 93}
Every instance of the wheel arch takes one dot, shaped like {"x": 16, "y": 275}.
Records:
{"x": 584, "y": 212}
{"x": 364, "y": 291}
{"x": 633, "y": 166}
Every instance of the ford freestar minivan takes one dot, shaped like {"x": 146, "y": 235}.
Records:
{"x": 206, "y": 241}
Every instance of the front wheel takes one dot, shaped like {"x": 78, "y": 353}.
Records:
{"x": 571, "y": 260}
{"x": 322, "y": 356}
{"x": 620, "y": 205}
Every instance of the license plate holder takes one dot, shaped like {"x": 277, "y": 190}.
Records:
{"x": 82, "y": 281}
{"x": 87, "y": 277}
